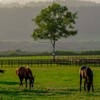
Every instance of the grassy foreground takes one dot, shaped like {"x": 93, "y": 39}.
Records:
{"x": 51, "y": 83}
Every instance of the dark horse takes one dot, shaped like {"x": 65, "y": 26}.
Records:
{"x": 25, "y": 73}
{"x": 86, "y": 73}
{"x": 2, "y": 71}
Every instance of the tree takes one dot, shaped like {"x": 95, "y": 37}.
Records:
{"x": 53, "y": 23}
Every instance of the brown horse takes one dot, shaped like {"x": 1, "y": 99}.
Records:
{"x": 86, "y": 73}
{"x": 25, "y": 73}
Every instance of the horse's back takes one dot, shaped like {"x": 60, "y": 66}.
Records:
{"x": 84, "y": 68}
{"x": 85, "y": 71}
{"x": 21, "y": 71}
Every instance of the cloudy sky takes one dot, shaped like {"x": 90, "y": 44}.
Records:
{"x": 24, "y": 1}
{"x": 97, "y": 1}
{"x": 20, "y": 1}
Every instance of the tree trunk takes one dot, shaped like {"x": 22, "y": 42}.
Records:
{"x": 53, "y": 52}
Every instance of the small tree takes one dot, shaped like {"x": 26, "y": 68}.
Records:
{"x": 53, "y": 23}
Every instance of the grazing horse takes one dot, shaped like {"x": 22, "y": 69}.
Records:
{"x": 25, "y": 73}
{"x": 2, "y": 71}
{"x": 86, "y": 73}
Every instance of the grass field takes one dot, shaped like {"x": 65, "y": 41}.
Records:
{"x": 51, "y": 83}
{"x": 47, "y": 57}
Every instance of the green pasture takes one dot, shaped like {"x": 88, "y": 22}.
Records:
{"x": 25, "y": 57}
{"x": 51, "y": 83}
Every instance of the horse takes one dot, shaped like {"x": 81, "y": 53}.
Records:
{"x": 25, "y": 73}
{"x": 86, "y": 73}
{"x": 2, "y": 71}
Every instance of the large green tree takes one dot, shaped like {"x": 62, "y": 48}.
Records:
{"x": 53, "y": 23}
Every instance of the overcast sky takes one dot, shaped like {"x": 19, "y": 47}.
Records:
{"x": 24, "y": 1}
{"x": 20, "y": 1}
{"x": 97, "y": 1}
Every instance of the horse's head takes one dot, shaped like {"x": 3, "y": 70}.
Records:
{"x": 30, "y": 77}
{"x": 89, "y": 79}
{"x": 32, "y": 82}
{"x": 89, "y": 86}
{"x": 89, "y": 83}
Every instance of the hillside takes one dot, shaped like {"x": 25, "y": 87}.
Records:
{"x": 46, "y": 46}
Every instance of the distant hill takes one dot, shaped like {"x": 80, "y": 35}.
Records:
{"x": 39, "y": 46}
{"x": 16, "y": 25}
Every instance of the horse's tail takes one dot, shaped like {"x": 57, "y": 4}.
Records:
{"x": 17, "y": 71}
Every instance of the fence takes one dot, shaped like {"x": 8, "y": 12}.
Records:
{"x": 40, "y": 62}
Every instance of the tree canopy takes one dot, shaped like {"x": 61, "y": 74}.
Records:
{"x": 53, "y": 23}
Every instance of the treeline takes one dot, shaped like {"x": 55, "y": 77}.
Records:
{"x": 78, "y": 52}
{"x": 24, "y": 53}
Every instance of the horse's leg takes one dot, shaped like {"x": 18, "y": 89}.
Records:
{"x": 85, "y": 84}
{"x": 80, "y": 81}
{"x": 92, "y": 87}
{"x": 20, "y": 84}
{"x": 88, "y": 88}
{"x": 21, "y": 79}
{"x": 26, "y": 82}
{"x": 30, "y": 84}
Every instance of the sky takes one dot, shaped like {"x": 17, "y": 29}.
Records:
{"x": 19, "y": 1}
{"x": 97, "y": 1}
{"x": 24, "y": 1}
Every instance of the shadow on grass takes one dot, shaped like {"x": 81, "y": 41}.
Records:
{"x": 27, "y": 93}
{"x": 35, "y": 93}
{"x": 8, "y": 83}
